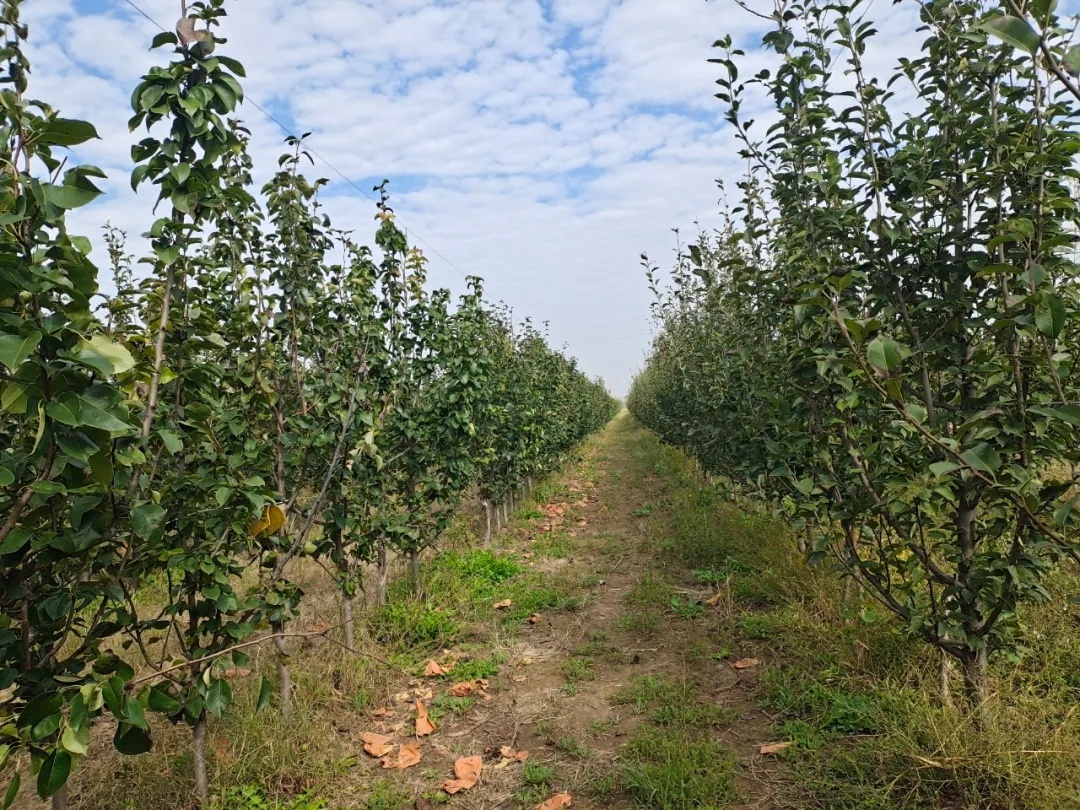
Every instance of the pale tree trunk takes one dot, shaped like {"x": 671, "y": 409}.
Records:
{"x": 284, "y": 676}
{"x": 60, "y": 799}
{"x": 528, "y": 486}
{"x": 414, "y": 565}
{"x": 487, "y": 524}
{"x": 945, "y": 679}
{"x": 381, "y": 573}
{"x": 347, "y": 620}
{"x": 498, "y": 519}
{"x": 849, "y": 588}
{"x": 198, "y": 749}
{"x": 510, "y": 502}
{"x": 977, "y": 685}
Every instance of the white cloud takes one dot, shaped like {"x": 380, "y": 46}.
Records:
{"x": 542, "y": 144}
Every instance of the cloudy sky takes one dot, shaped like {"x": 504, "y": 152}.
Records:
{"x": 541, "y": 144}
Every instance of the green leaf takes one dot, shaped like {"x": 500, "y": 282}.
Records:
{"x": 131, "y": 740}
{"x": 161, "y": 701}
{"x": 75, "y": 740}
{"x": 171, "y": 441}
{"x": 70, "y": 196}
{"x": 940, "y": 468}
{"x": 54, "y": 773}
{"x": 7, "y": 477}
{"x": 264, "y": 694}
{"x": 983, "y": 457}
{"x": 1014, "y": 31}
{"x": 14, "y": 349}
{"x": 65, "y": 132}
{"x": 16, "y": 539}
{"x": 148, "y": 521}
{"x": 12, "y": 791}
{"x": 1066, "y": 413}
{"x": 79, "y": 411}
{"x": 1050, "y": 317}
{"x": 1071, "y": 61}
{"x": 103, "y": 354}
{"x": 884, "y": 354}
{"x": 218, "y": 696}
{"x": 164, "y": 38}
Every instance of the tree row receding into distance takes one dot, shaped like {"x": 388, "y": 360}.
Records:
{"x": 261, "y": 389}
{"x": 883, "y": 341}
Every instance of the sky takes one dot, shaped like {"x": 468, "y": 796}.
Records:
{"x": 541, "y": 144}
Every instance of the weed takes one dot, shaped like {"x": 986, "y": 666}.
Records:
{"x": 252, "y": 797}
{"x": 645, "y": 622}
{"x": 572, "y": 747}
{"x": 386, "y": 796}
{"x": 599, "y": 727}
{"x": 650, "y": 591}
{"x": 536, "y": 774}
{"x": 578, "y": 669}
{"x": 476, "y": 668}
{"x": 686, "y": 608}
{"x": 668, "y": 769}
{"x": 411, "y": 624}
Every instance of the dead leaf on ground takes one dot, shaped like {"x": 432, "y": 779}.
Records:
{"x": 713, "y": 601}
{"x": 467, "y": 771}
{"x": 433, "y": 670}
{"x": 583, "y": 522}
{"x": 464, "y": 689}
{"x": 557, "y": 801}
{"x": 320, "y": 627}
{"x": 424, "y": 726}
{"x": 383, "y": 711}
{"x": 503, "y": 604}
{"x": 377, "y": 745}
{"x": 534, "y": 618}
{"x": 408, "y": 756}
{"x": 236, "y": 672}
{"x": 745, "y": 663}
{"x": 510, "y": 755}
{"x": 423, "y": 694}
{"x": 774, "y": 748}
{"x": 403, "y": 697}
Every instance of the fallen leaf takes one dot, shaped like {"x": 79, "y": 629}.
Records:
{"x": 467, "y": 771}
{"x": 745, "y": 663}
{"x": 505, "y": 603}
{"x": 511, "y": 754}
{"x": 408, "y": 756}
{"x": 383, "y": 711}
{"x": 557, "y": 801}
{"x": 320, "y": 627}
{"x": 433, "y": 670}
{"x": 236, "y": 672}
{"x": 519, "y": 679}
{"x": 463, "y": 689}
{"x": 424, "y": 726}
{"x": 583, "y": 522}
{"x": 422, "y": 694}
{"x": 713, "y": 601}
{"x": 403, "y": 697}
{"x": 377, "y": 745}
{"x": 398, "y": 728}
{"x": 773, "y": 748}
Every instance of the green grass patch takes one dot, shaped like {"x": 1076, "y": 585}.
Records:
{"x": 669, "y": 769}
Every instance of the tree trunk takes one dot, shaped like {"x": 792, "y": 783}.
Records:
{"x": 498, "y": 519}
{"x": 528, "y": 486}
{"x": 414, "y": 565}
{"x": 945, "y": 680}
{"x": 198, "y": 749}
{"x": 487, "y": 524}
{"x": 977, "y": 685}
{"x": 849, "y": 587}
{"x": 284, "y": 676}
{"x": 347, "y": 621}
{"x": 380, "y": 574}
{"x": 60, "y": 799}
{"x": 510, "y": 503}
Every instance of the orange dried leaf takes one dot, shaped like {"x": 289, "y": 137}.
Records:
{"x": 509, "y": 752}
{"x": 713, "y": 601}
{"x": 502, "y": 605}
{"x": 235, "y": 672}
{"x": 424, "y": 726}
{"x": 467, "y": 771}
{"x": 774, "y": 748}
{"x": 463, "y": 689}
{"x": 557, "y": 801}
{"x": 408, "y": 756}
{"x": 383, "y": 711}
{"x": 377, "y": 745}
{"x": 433, "y": 670}
{"x": 745, "y": 663}
{"x": 403, "y": 697}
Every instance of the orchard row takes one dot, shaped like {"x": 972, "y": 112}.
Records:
{"x": 267, "y": 389}
{"x": 883, "y": 342}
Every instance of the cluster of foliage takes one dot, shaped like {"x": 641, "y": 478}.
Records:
{"x": 267, "y": 389}
{"x": 882, "y": 340}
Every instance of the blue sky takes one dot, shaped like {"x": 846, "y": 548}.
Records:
{"x": 541, "y": 144}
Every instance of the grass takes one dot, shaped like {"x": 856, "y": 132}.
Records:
{"x": 578, "y": 669}
{"x": 668, "y": 769}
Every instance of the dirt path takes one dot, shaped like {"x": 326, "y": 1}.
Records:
{"x": 641, "y": 655}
